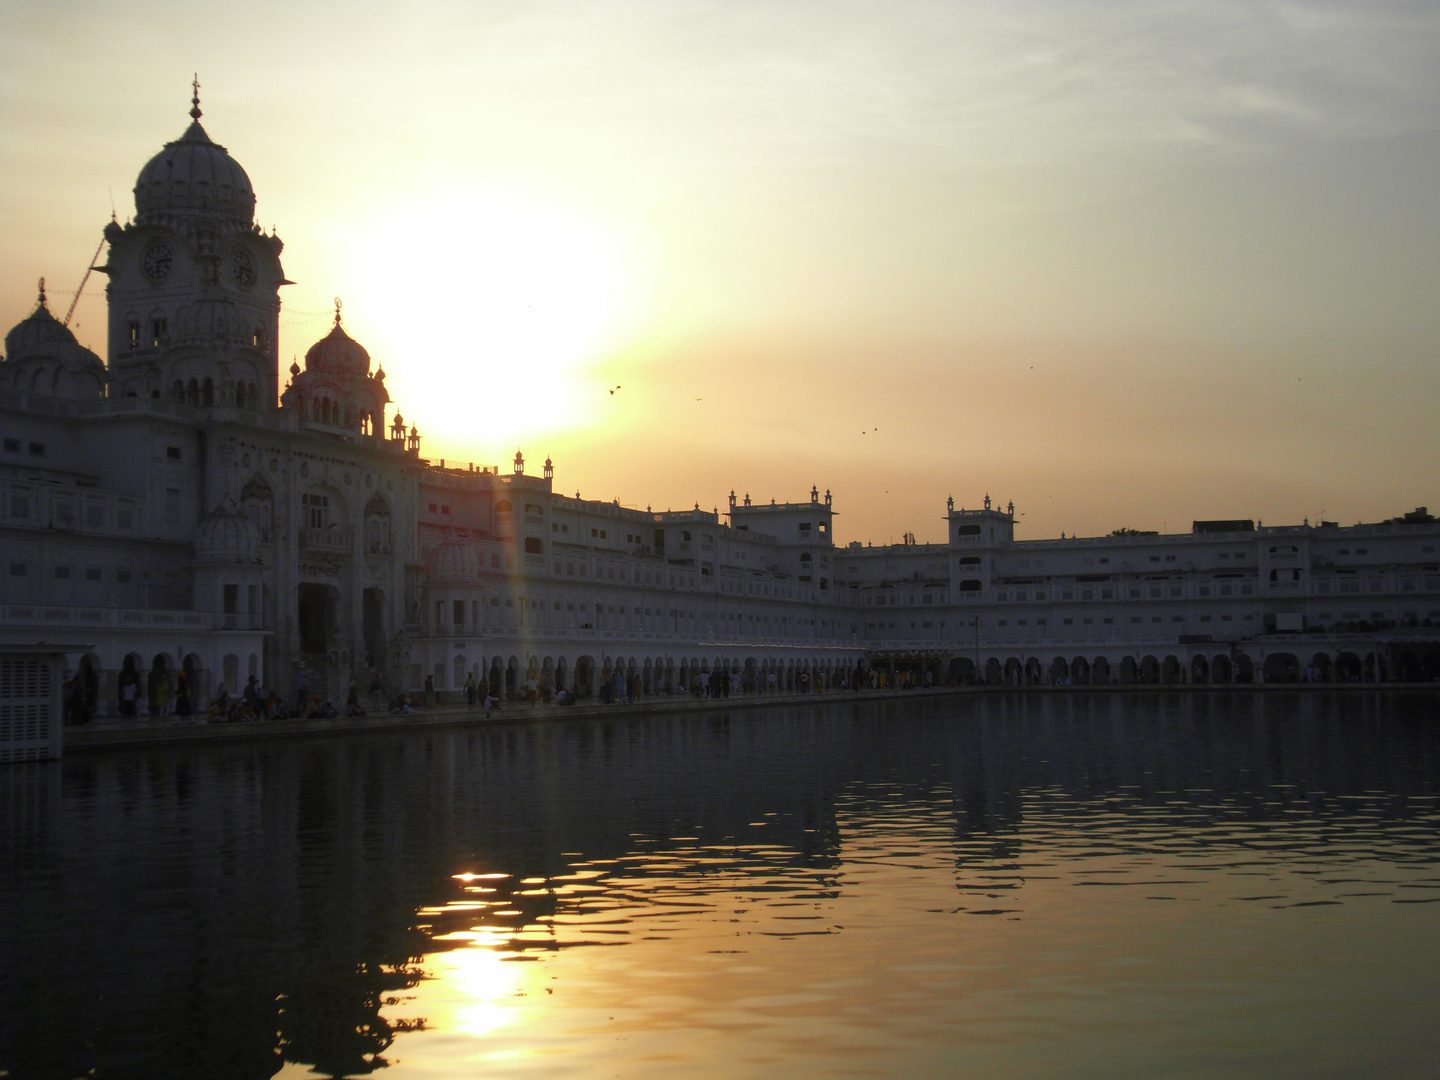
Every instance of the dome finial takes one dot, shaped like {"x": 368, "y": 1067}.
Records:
{"x": 195, "y": 113}
{"x": 42, "y": 292}
{"x": 338, "y": 306}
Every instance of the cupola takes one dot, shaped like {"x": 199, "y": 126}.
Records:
{"x": 194, "y": 176}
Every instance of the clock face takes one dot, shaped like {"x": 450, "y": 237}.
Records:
{"x": 156, "y": 261}
{"x": 242, "y": 267}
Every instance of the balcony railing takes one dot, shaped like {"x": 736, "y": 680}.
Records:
{"x": 17, "y": 615}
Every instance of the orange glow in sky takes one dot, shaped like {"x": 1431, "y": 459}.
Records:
{"x": 1125, "y": 265}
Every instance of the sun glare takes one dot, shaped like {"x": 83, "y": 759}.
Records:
{"x": 489, "y": 308}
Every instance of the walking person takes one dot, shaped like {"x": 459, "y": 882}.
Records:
{"x": 129, "y": 695}
{"x": 470, "y": 690}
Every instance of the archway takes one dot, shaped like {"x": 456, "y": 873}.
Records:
{"x": 316, "y": 615}
{"x": 1221, "y": 670}
{"x": 372, "y": 606}
{"x": 584, "y": 677}
{"x": 89, "y": 676}
{"x": 1347, "y": 667}
{"x": 1282, "y": 668}
{"x": 188, "y": 688}
{"x": 128, "y": 688}
{"x": 157, "y": 686}
{"x": 1244, "y": 669}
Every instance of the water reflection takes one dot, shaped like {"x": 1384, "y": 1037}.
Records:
{"x": 1006, "y": 882}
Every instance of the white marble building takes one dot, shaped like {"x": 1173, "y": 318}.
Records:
{"x": 183, "y": 505}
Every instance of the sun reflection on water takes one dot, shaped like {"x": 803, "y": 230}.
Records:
{"x": 486, "y": 989}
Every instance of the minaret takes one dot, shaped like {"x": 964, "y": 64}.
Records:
{"x": 194, "y": 283}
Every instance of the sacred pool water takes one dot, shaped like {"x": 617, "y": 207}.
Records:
{"x": 1139, "y": 884}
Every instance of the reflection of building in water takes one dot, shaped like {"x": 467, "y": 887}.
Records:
{"x": 179, "y": 508}
{"x": 219, "y": 908}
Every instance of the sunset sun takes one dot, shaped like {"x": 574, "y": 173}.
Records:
{"x": 499, "y": 304}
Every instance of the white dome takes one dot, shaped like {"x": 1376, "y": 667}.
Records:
{"x": 452, "y": 560}
{"x": 212, "y": 319}
{"x": 194, "y": 175}
{"x": 227, "y": 535}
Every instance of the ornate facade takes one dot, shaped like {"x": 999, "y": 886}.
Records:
{"x": 177, "y": 507}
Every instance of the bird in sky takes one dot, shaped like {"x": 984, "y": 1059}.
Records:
{"x": 612, "y": 392}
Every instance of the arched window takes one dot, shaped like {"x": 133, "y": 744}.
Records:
{"x": 377, "y": 527}
{"x": 503, "y": 506}
{"x": 177, "y": 392}
{"x": 533, "y": 546}
{"x": 207, "y": 392}
{"x": 193, "y": 393}
{"x": 256, "y": 501}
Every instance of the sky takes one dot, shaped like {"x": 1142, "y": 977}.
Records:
{"x": 1125, "y": 264}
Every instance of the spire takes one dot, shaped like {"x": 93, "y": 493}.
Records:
{"x": 338, "y": 306}
{"x": 41, "y": 302}
{"x": 195, "y": 113}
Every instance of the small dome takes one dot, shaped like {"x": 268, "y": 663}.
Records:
{"x": 41, "y": 335}
{"x": 338, "y": 353}
{"x": 211, "y": 319}
{"x": 42, "y": 355}
{"x": 452, "y": 560}
{"x": 227, "y": 535}
{"x": 194, "y": 175}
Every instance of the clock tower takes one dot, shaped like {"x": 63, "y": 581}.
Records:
{"x": 194, "y": 284}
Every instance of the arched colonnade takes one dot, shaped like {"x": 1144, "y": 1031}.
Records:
{"x": 510, "y": 675}
{"x": 1177, "y": 668}
{"x": 142, "y": 683}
